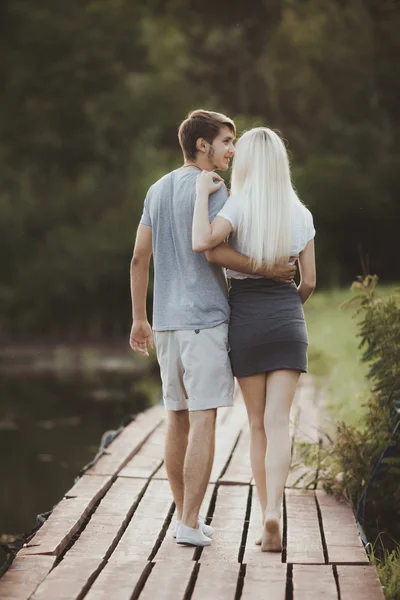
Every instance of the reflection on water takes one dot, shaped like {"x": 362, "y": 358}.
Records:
{"x": 50, "y": 427}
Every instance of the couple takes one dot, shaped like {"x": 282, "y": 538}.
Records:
{"x": 205, "y": 335}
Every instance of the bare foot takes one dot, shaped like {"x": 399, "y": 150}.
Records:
{"x": 258, "y": 542}
{"x": 271, "y": 540}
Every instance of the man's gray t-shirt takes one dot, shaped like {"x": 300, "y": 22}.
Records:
{"x": 189, "y": 292}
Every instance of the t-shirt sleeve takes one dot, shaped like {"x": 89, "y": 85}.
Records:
{"x": 146, "y": 218}
{"x": 230, "y": 211}
{"x": 216, "y": 202}
{"x": 310, "y": 229}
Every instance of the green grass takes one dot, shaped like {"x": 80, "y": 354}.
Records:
{"x": 334, "y": 354}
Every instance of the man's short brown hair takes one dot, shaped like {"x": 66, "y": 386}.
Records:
{"x": 201, "y": 124}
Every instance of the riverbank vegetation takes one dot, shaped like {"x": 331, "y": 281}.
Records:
{"x": 361, "y": 459}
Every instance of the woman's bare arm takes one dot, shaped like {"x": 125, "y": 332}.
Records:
{"x": 206, "y": 235}
{"x": 226, "y": 256}
{"x": 308, "y": 276}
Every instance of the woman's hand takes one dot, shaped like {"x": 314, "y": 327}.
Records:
{"x": 208, "y": 182}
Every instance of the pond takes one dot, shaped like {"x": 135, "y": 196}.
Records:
{"x": 51, "y": 425}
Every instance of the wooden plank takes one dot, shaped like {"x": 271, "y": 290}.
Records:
{"x": 24, "y": 576}
{"x": 128, "y": 442}
{"x": 217, "y": 581}
{"x": 239, "y": 469}
{"x": 226, "y": 436}
{"x": 167, "y": 582}
{"x": 252, "y": 554}
{"x": 68, "y": 579}
{"x": 271, "y": 579}
{"x": 68, "y": 516}
{"x": 90, "y": 487}
{"x": 304, "y": 543}
{"x": 305, "y": 416}
{"x": 228, "y": 523}
{"x": 147, "y": 523}
{"x": 150, "y": 456}
{"x": 110, "y": 519}
{"x": 359, "y": 583}
{"x": 119, "y": 580}
{"x": 343, "y": 542}
{"x": 312, "y": 582}
{"x": 66, "y": 519}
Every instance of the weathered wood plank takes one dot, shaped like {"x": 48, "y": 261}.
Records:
{"x": 150, "y": 456}
{"x": 167, "y": 582}
{"x": 90, "y": 487}
{"x": 24, "y": 576}
{"x": 68, "y": 579}
{"x": 359, "y": 583}
{"x": 228, "y": 523}
{"x": 119, "y": 579}
{"x": 66, "y": 519}
{"x": 271, "y": 579}
{"x": 217, "y": 581}
{"x": 304, "y": 543}
{"x": 147, "y": 523}
{"x": 128, "y": 442}
{"x": 226, "y": 436}
{"x": 312, "y": 582}
{"x": 343, "y": 542}
{"x": 305, "y": 416}
{"x": 239, "y": 469}
{"x": 110, "y": 519}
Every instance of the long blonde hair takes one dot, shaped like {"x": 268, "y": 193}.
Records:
{"x": 261, "y": 177}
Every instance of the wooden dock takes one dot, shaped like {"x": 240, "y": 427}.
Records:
{"x": 110, "y": 536}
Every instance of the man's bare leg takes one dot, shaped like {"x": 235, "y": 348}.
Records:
{"x": 198, "y": 463}
{"x": 176, "y": 442}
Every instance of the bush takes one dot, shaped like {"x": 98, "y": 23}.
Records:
{"x": 362, "y": 463}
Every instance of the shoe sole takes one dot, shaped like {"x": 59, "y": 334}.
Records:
{"x": 189, "y": 542}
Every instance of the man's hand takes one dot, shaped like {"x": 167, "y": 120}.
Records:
{"x": 281, "y": 273}
{"x": 141, "y": 335}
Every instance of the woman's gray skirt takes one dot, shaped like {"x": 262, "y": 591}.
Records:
{"x": 267, "y": 330}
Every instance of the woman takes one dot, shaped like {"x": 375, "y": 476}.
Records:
{"x": 267, "y": 331}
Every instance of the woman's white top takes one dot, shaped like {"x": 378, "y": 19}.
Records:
{"x": 302, "y": 231}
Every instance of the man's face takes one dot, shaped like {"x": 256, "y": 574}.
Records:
{"x": 222, "y": 149}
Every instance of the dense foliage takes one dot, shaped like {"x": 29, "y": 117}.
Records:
{"x": 363, "y": 462}
{"x": 93, "y": 91}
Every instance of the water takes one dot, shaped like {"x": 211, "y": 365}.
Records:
{"x": 51, "y": 425}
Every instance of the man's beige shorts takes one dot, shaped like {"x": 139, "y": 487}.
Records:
{"x": 195, "y": 368}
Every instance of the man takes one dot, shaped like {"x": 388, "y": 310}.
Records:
{"x": 190, "y": 315}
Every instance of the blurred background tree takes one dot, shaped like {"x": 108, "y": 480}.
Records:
{"x": 93, "y": 93}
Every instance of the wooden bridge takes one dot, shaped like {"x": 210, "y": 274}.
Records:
{"x": 110, "y": 537}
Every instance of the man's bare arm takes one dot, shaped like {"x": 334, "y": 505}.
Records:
{"x": 226, "y": 256}
{"x": 141, "y": 333}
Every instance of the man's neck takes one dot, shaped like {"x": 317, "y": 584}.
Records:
{"x": 199, "y": 164}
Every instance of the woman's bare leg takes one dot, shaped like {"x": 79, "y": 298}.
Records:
{"x": 281, "y": 388}
{"x": 253, "y": 389}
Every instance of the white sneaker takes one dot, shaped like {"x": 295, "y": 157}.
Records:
{"x": 206, "y": 529}
{"x": 192, "y": 537}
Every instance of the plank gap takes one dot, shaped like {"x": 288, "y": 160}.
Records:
{"x": 289, "y": 582}
{"x": 322, "y": 532}
{"x": 284, "y": 528}
{"x": 225, "y": 468}
{"x": 240, "y": 581}
{"x": 163, "y": 532}
{"x": 243, "y": 542}
{"x": 192, "y": 582}
{"x": 336, "y": 578}
{"x": 142, "y": 581}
